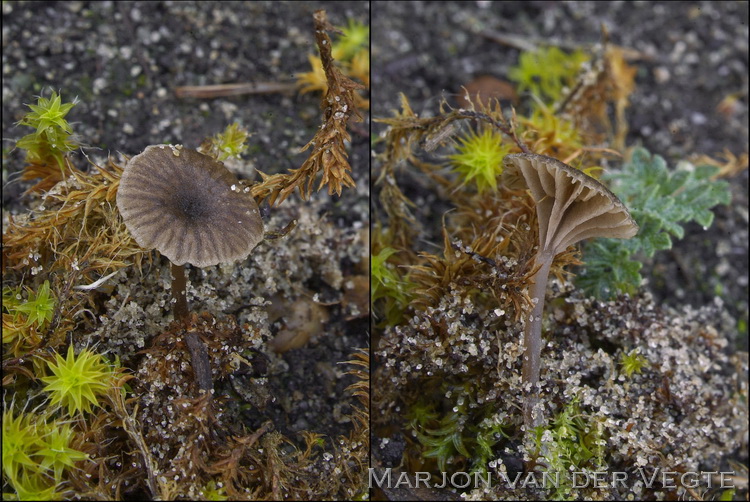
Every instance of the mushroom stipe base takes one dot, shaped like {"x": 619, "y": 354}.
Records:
{"x": 532, "y": 340}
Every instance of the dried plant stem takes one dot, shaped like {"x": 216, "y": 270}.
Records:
{"x": 179, "y": 292}
{"x": 198, "y": 352}
{"x": 219, "y": 90}
{"x": 200, "y": 360}
{"x": 133, "y": 428}
{"x": 508, "y": 130}
{"x": 328, "y": 146}
{"x": 532, "y": 340}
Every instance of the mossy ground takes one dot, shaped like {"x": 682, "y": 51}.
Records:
{"x": 459, "y": 344}
{"x": 122, "y": 61}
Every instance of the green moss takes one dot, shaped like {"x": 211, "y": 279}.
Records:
{"x": 573, "y": 442}
{"x": 34, "y": 487}
{"x": 388, "y": 285}
{"x": 727, "y": 494}
{"x": 25, "y": 319}
{"x": 456, "y": 428}
{"x": 20, "y": 440}
{"x": 441, "y": 435}
{"x": 355, "y": 37}
{"x": 479, "y": 158}
{"x": 632, "y": 362}
{"x": 39, "y": 307}
{"x": 212, "y": 491}
{"x": 77, "y": 382}
{"x": 547, "y": 71}
{"x": 551, "y": 133}
{"x": 56, "y": 453}
{"x": 48, "y": 114}
{"x": 230, "y": 142}
{"x": 52, "y": 137}
{"x": 36, "y": 455}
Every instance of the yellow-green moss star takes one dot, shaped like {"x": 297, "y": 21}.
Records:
{"x": 77, "y": 381}
{"x": 480, "y": 158}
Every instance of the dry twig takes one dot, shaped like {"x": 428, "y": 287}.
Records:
{"x": 328, "y": 149}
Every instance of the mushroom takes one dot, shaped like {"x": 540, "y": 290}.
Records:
{"x": 571, "y": 206}
{"x": 192, "y": 210}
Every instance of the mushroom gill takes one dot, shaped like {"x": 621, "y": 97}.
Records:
{"x": 571, "y": 206}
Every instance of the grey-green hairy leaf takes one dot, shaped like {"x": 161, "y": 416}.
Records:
{"x": 661, "y": 202}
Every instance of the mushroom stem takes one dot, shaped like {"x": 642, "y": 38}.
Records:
{"x": 179, "y": 292}
{"x": 570, "y": 206}
{"x": 532, "y": 340}
{"x": 198, "y": 351}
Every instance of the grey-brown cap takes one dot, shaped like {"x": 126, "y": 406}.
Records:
{"x": 188, "y": 206}
{"x": 571, "y": 205}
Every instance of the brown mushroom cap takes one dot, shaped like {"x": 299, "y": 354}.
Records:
{"x": 188, "y": 206}
{"x": 571, "y": 206}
